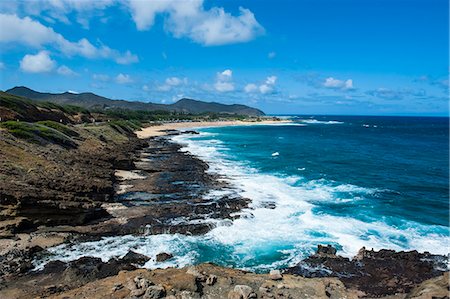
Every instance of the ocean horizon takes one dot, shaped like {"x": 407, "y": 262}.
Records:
{"x": 349, "y": 181}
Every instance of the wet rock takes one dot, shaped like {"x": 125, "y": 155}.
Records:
{"x": 163, "y": 256}
{"x": 135, "y": 258}
{"x": 275, "y": 275}
{"x": 154, "y": 292}
{"x": 191, "y": 132}
{"x": 375, "y": 273}
{"x": 326, "y": 250}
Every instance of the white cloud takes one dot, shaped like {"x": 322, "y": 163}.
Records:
{"x": 171, "y": 82}
{"x": 62, "y": 10}
{"x": 65, "y": 71}
{"x": 183, "y": 19}
{"x": 127, "y": 58}
{"x": 224, "y": 86}
{"x": 100, "y": 77}
{"x": 32, "y": 33}
{"x": 190, "y": 19}
{"x": 145, "y": 88}
{"x": 224, "y": 81}
{"x": 271, "y": 55}
{"x": 175, "y": 81}
{"x": 249, "y": 88}
{"x": 123, "y": 79}
{"x": 271, "y": 80}
{"x": 2, "y": 65}
{"x": 267, "y": 87}
{"x": 39, "y": 63}
{"x": 331, "y": 82}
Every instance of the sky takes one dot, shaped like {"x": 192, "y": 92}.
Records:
{"x": 372, "y": 57}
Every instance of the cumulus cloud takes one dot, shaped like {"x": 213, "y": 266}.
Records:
{"x": 224, "y": 81}
{"x": 100, "y": 77}
{"x": 251, "y": 87}
{"x": 171, "y": 82}
{"x": 267, "y": 87}
{"x": 123, "y": 79}
{"x": 61, "y": 10}
{"x": 333, "y": 83}
{"x": 32, "y": 33}
{"x": 65, "y": 71}
{"x": 209, "y": 27}
{"x": 38, "y": 63}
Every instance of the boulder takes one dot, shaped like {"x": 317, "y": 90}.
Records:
{"x": 154, "y": 292}
{"x": 163, "y": 256}
{"x": 211, "y": 280}
{"x": 326, "y": 250}
{"x": 135, "y": 258}
{"x": 275, "y": 275}
{"x": 241, "y": 291}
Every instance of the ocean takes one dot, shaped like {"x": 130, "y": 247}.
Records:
{"x": 378, "y": 182}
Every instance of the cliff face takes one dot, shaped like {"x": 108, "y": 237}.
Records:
{"x": 91, "y": 100}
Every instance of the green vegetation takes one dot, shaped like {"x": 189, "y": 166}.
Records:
{"x": 160, "y": 115}
{"x": 59, "y": 127}
{"x": 45, "y": 122}
{"x": 37, "y": 132}
{"x": 125, "y": 126}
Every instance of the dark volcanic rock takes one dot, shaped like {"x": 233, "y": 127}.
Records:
{"x": 163, "y": 256}
{"x": 171, "y": 198}
{"x": 326, "y": 250}
{"x": 376, "y": 273}
{"x": 135, "y": 258}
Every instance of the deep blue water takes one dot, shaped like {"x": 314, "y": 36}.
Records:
{"x": 405, "y": 158}
{"x": 378, "y": 182}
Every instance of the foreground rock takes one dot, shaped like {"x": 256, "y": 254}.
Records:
{"x": 194, "y": 282}
{"x": 376, "y": 273}
{"x": 182, "y": 283}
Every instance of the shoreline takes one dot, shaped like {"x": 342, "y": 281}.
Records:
{"x": 154, "y": 168}
{"x": 160, "y": 129}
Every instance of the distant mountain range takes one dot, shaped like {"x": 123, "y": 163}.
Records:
{"x": 90, "y": 100}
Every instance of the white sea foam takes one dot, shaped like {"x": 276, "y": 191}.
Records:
{"x": 315, "y": 121}
{"x": 266, "y": 237}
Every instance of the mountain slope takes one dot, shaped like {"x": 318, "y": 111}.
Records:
{"x": 91, "y": 100}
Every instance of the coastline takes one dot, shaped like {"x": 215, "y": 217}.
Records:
{"x": 161, "y": 129}
{"x": 154, "y": 168}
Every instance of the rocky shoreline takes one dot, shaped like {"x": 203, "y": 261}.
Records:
{"x": 105, "y": 187}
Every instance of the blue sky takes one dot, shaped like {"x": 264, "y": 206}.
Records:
{"x": 293, "y": 57}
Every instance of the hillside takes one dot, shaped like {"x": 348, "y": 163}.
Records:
{"x": 93, "y": 101}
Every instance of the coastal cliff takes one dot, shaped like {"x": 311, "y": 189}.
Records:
{"x": 71, "y": 180}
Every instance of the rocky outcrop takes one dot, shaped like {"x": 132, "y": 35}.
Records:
{"x": 192, "y": 282}
{"x": 376, "y": 273}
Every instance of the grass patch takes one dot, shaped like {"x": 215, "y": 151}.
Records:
{"x": 125, "y": 126}
{"x": 59, "y": 127}
{"x": 37, "y": 132}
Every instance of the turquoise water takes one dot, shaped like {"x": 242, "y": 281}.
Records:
{"x": 379, "y": 182}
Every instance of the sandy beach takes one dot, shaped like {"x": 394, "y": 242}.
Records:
{"x": 159, "y": 130}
